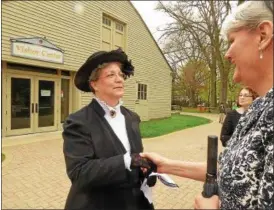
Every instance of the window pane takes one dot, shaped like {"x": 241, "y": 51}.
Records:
{"x": 142, "y": 91}
{"x": 46, "y": 103}
{"x": 65, "y": 73}
{"x": 119, "y": 27}
{"x": 20, "y": 103}
{"x": 106, "y": 21}
{"x": 143, "y": 95}
{"x": 139, "y": 95}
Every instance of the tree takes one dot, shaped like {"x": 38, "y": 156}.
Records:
{"x": 192, "y": 80}
{"x": 195, "y": 34}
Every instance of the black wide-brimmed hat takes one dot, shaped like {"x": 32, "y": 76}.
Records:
{"x": 98, "y": 58}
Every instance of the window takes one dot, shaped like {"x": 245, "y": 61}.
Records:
{"x": 113, "y": 34}
{"x": 119, "y": 27}
{"x": 106, "y": 21}
{"x": 65, "y": 73}
{"x": 142, "y": 92}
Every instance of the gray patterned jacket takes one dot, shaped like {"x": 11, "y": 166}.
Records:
{"x": 246, "y": 179}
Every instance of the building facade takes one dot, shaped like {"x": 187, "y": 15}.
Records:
{"x": 45, "y": 42}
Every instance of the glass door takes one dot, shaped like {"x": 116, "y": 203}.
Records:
{"x": 45, "y": 104}
{"x": 65, "y": 99}
{"x": 20, "y": 106}
{"x": 31, "y": 104}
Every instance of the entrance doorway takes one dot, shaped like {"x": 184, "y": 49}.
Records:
{"x": 31, "y": 104}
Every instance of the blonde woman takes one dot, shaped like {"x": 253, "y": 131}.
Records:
{"x": 245, "y": 177}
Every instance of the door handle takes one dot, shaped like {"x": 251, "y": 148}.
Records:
{"x": 32, "y": 107}
{"x": 36, "y": 107}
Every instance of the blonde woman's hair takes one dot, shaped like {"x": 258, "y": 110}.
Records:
{"x": 248, "y": 15}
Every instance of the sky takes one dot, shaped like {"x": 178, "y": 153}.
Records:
{"x": 152, "y": 18}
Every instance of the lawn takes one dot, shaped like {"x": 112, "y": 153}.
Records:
{"x": 176, "y": 122}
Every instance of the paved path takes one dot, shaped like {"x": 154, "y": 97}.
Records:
{"x": 33, "y": 175}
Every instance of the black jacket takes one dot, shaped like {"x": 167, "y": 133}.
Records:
{"x": 229, "y": 125}
{"x": 95, "y": 164}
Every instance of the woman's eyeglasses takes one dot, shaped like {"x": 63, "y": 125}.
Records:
{"x": 244, "y": 95}
{"x": 113, "y": 75}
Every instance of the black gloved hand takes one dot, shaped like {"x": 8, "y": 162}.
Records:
{"x": 139, "y": 162}
{"x": 151, "y": 180}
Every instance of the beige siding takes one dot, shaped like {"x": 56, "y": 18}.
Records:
{"x": 56, "y": 21}
{"x": 79, "y": 35}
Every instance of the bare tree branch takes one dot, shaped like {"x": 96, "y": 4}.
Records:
{"x": 194, "y": 34}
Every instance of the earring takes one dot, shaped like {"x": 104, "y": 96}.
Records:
{"x": 261, "y": 54}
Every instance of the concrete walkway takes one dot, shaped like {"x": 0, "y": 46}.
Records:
{"x": 34, "y": 177}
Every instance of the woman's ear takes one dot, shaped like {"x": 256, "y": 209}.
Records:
{"x": 93, "y": 84}
{"x": 266, "y": 33}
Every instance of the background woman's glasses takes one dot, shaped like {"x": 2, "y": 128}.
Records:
{"x": 245, "y": 96}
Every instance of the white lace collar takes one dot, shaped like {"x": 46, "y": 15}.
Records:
{"x": 109, "y": 110}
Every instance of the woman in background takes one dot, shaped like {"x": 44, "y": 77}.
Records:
{"x": 245, "y": 99}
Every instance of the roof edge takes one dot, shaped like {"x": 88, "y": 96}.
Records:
{"x": 151, "y": 35}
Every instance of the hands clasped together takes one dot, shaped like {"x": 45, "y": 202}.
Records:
{"x": 183, "y": 169}
{"x": 147, "y": 167}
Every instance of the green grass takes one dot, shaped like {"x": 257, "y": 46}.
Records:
{"x": 176, "y": 122}
{"x": 3, "y": 157}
